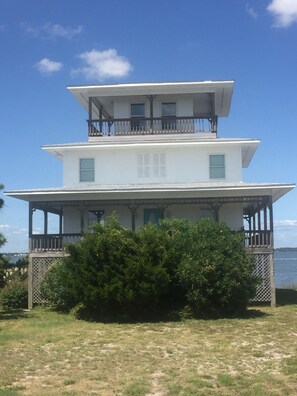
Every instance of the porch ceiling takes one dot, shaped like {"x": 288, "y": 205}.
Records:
{"x": 105, "y": 94}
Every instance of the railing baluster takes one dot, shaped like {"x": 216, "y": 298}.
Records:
{"x": 160, "y": 125}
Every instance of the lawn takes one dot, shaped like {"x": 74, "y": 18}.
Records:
{"x": 45, "y": 353}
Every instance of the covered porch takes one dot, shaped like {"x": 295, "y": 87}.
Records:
{"x": 256, "y": 211}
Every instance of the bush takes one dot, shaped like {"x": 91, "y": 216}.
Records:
{"x": 14, "y": 295}
{"x": 114, "y": 272}
{"x": 54, "y": 287}
{"x": 216, "y": 272}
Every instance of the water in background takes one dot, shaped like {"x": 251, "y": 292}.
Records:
{"x": 285, "y": 268}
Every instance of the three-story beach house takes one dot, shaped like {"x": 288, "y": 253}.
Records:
{"x": 153, "y": 152}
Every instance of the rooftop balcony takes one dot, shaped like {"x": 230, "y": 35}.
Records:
{"x": 150, "y": 126}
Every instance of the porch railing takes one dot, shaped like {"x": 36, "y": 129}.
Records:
{"x": 52, "y": 242}
{"x": 258, "y": 238}
{"x": 57, "y": 242}
{"x": 147, "y": 126}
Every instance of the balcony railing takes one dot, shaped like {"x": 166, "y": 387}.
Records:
{"x": 258, "y": 239}
{"x": 52, "y": 242}
{"x": 57, "y": 242}
{"x": 148, "y": 126}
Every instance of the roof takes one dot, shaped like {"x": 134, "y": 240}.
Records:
{"x": 148, "y": 191}
{"x": 221, "y": 90}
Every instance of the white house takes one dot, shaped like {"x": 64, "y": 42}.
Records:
{"x": 153, "y": 152}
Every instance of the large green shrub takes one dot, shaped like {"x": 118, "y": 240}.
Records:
{"x": 215, "y": 271}
{"x": 113, "y": 270}
{"x": 14, "y": 295}
{"x": 54, "y": 287}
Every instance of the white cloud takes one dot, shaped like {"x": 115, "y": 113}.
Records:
{"x": 16, "y": 238}
{"x": 52, "y": 31}
{"x": 47, "y": 66}
{"x": 100, "y": 65}
{"x": 285, "y": 223}
{"x": 251, "y": 11}
{"x": 284, "y": 12}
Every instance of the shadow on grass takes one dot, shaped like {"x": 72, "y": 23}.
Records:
{"x": 169, "y": 315}
{"x": 14, "y": 314}
{"x": 286, "y": 296}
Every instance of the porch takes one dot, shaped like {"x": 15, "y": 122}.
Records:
{"x": 256, "y": 225}
{"x": 152, "y": 125}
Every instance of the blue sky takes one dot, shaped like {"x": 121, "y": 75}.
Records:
{"x": 50, "y": 44}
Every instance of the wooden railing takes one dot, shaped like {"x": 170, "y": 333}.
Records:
{"x": 52, "y": 242}
{"x": 57, "y": 242}
{"x": 147, "y": 126}
{"x": 258, "y": 238}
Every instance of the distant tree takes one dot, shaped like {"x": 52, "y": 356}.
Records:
{"x": 3, "y": 261}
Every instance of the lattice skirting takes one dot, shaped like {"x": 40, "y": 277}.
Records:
{"x": 264, "y": 269}
{"x": 38, "y": 267}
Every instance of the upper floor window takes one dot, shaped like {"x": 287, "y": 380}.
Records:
{"x": 86, "y": 170}
{"x": 217, "y": 166}
{"x": 169, "y": 116}
{"x": 137, "y": 116}
{"x": 151, "y": 165}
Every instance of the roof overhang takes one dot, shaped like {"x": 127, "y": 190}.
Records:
{"x": 153, "y": 191}
{"x": 248, "y": 146}
{"x": 221, "y": 90}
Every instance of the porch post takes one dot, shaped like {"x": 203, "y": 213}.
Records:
{"x": 100, "y": 118}
{"x": 272, "y": 277}
{"x": 215, "y": 209}
{"x": 266, "y": 239}
{"x": 90, "y": 114}
{"x": 133, "y": 209}
{"x": 82, "y": 219}
{"x": 60, "y": 224}
{"x": 45, "y": 222}
{"x": 30, "y": 225}
{"x": 30, "y": 283}
{"x": 151, "y": 100}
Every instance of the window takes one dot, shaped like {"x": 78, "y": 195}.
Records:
{"x": 95, "y": 216}
{"x": 217, "y": 166}
{"x": 168, "y": 116}
{"x": 151, "y": 165}
{"x": 152, "y": 216}
{"x": 143, "y": 165}
{"x": 87, "y": 170}
{"x": 137, "y": 116}
{"x": 159, "y": 168}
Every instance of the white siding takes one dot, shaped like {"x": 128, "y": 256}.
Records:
{"x": 231, "y": 214}
{"x": 184, "y": 164}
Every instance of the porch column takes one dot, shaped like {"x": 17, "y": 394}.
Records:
{"x": 271, "y": 221}
{"x": 215, "y": 207}
{"x": 151, "y": 100}
{"x": 266, "y": 239}
{"x": 133, "y": 209}
{"x": 60, "y": 224}
{"x": 100, "y": 118}
{"x": 90, "y": 114}
{"x": 272, "y": 277}
{"x": 82, "y": 211}
{"x": 45, "y": 222}
{"x": 31, "y": 210}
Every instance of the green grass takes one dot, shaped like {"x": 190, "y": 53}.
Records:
{"x": 46, "y": 353}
